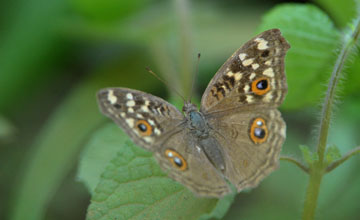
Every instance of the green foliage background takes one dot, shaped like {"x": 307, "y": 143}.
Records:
{"x": 57, "y": 152}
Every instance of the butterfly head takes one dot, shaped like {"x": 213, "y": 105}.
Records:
{"x": 189, "y": 107}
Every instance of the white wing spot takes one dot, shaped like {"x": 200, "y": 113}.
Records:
{"x": 159, "y": 111}
{"x": 262, "y": 44}
{"x": 268, "y": 63}
{"x": 130, "y": 122}
{"x": 151, "y": 122}
{"x": 122, "y": 114}
{"x": 249, "y": 99}
{"x": 198, "y": 148}
{"x": 248, "y": 62}
{"x": 130, "y": 110}
{"x": 269, "y": 72}
{"x": 242, "y": 56}
{"x": 246, "y": 88}
{"x": 237, "y": 76}
{"x": 147, "y": 102}
{"x": 255, "y": 66}
{"x": 230, "y": 74}
{"x": 268, "y": 97}
{"x": 252, "y": 76}
{"x": 157, "y": 131}
{"x": 130, "y": 103}
{"x": 111, "y": 97}
{"x": 283, "y": 131}
{"x": 139, "y": 116}
{"x": 273, "y": 83}
{"x": 144, "y": 108}
{"x": 129, "y": 96}
{"x": 148, "y": 139}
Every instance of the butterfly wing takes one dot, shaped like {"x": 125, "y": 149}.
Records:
{"x": 251, "y": 143}
{"x": 185, "y": 163}
{"x": 144, "y": 117}
{"x": 158, "y": 126}
{"x": 253, "y": 75}
{"x": 240, "y": 106}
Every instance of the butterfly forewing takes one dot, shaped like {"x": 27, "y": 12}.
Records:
{"x": 144, "y": 117}
{"x": 253, "y": 75}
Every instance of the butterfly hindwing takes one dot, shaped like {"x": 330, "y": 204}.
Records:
{"x": 251, "y": 143}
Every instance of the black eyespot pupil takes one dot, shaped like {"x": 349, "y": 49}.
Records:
{"x": 265, "y": 53}
{"x": 178, "y": 162}
{"x": 142, "y": 127}
{"x": 259, "y": 133}
{"x": 262, "y": 84}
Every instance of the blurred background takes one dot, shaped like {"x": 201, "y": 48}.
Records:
{"x": 55, "y": 55}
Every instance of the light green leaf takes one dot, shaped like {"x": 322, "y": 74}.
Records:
{"x": 309, "y": 156}
{"x": 332, "y": 153}
{"x": 313, "y": 39}
{"x": 133, "y": 186}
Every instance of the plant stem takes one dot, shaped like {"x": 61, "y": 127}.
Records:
{"x": 186, "y": 57}
{"x": 340, "y": 161}
{"x": 296, "y": 162}
{"x": 312, "y": 193}
{"x": 317, "y": 170}
{"x": 330, "y": 94}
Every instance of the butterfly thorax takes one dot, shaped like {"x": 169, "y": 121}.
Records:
{"x": 196, "y": 120}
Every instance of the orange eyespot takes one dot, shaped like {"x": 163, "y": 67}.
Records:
{"x": 258, "y": 131}
{"x": 144, "y": 128}
{"x": 176, "y": 159}
{"x": 260, "y": 86}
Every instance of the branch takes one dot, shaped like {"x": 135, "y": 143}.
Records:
{"x": 349, "y": 43}
{"x": 296, "y": 162}
{"x": 338, "y": 162}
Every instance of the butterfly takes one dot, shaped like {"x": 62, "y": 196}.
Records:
{"x": 235, "y": 137}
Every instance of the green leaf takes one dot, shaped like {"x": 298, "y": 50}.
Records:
{"x": 313, "y": 39}
{"x": 332, "y": 153}
{"x": 341, "y": 13}
{"x": 133, "y": 186}
{"x": 94, "y": 159}
{"x": 309, "y": 157}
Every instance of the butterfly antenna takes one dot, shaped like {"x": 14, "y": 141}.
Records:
{"x": 194, "y": 77}
{"x": 166, "y": 83}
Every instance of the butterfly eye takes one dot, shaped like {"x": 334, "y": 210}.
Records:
{"x": 176, "y": 159}
{"x": 260, "y": 86}
{"x": 258, "y": 131}
{"x": 144, "y": 128}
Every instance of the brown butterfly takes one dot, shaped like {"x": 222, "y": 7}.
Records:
{"x": 236, "y": 135}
